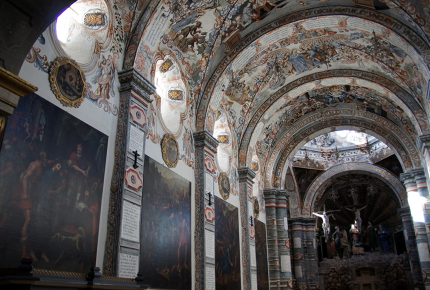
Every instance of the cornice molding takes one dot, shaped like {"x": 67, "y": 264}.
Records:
{"x": 132, "y": 80}
{"x": 204, "y": 138}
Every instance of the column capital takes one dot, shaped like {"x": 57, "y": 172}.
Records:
{"x": 282, "y": 193}
{"x": 246, "y": 174}
{"x": 204, "y": 138}
{"x": 407, "y": 177}
{"x": 131, "y": 79}
{"x": 270, "y": 193}
{"x": 404, "y": 211}
{"x": 423, "y": 142}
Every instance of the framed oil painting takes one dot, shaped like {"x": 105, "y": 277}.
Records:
{"x": 165, "y": 254}
{"x": 67, "y": 82}
{"x": 227, "y": 252}
{"x": 261, "y": 255}
{"x": 51, "y": 175}
{"x": 224, "y": 185}
{"x": 170, "y": 150}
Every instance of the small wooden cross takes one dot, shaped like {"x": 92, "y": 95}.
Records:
{"x": 135, "y": 159}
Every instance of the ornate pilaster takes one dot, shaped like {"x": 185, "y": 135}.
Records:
{"x": 204, "y": 173}
{"x": 414, "y": 260}
{"x": 12, "y": 88}
{"x": 283, "y": 240}
{"x": 272, "y": 238}
{"x": 126, "y": 184}
{"x": 246, "y": 175}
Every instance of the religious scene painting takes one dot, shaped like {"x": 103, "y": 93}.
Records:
{"x": 51, "y": 175}
{"x": 165, "y": 255}
{"x": 227, "y": 253}
{"x": 304, "y": 178}
{"x": 261, "y": 255}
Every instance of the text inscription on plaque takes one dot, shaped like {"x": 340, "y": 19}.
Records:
{"x": 210, "y": 244}
{"x": 130, "y": 222}
{"x": 128, "y": 265}
{"x": 136, "y": 140}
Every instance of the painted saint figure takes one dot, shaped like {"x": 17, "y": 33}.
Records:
{"x": 384, "y": 239}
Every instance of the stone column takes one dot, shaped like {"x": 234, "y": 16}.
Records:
{"x": 310, "y": 256}
{"x": 283, "y": 240}
{"x": 272, "y": 238}
{"x": 409, "y": 233}
{"x": 123, "y": 231}
{"x": 298, "y": 241}
{"x": 417, "y": 204}
{"x": 246, "y": 175}
{"x": 12, "y": 88}
{"x": 204, "y": 233}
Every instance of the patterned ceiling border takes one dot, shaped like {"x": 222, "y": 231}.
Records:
{"x": 349, "y": 117}
{"x": 317, "y": 188}
{"x": 403, "y": 31}
{"x": 410, "y": 102}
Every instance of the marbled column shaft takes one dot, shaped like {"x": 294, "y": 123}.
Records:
{"x": 283, "y": 240}
{"x": 272, "y": 238}
{"x": 205, "y": 148}
{"x": 411, "y": 243}
{"x": 246, "y": 175}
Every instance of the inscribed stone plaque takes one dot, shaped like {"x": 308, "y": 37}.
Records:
{"x": 285, "y": 224}
{"x": 298, "y": 271}
{"x": 209, "y": 184}
{"x": 128, "y": 265}
{"x": 285, "y": 263}
{"x": 130, "y": 222}
{"x": 297, "y": 242}
{"x": 254, "y": 281}
{"x": 136, "y": 140}
{"x": 210, "y": 278}
{"x": 210, "y": 244}
{"x": 253, "y": 257}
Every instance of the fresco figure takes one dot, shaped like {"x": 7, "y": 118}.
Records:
{"x": 299, "y": 62}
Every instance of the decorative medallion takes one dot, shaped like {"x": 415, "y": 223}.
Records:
{"x": 224, "y": 185}
{"x": 67, "y": 82}
{"x": 250, "y": 193}
{"x": 176, "y": 95}
{"x": 209, "y": 214}
{"x": 133, "y": 179}
{"x": 210, "y": 165}
{"x": 138, "y": 115}
{"x": 255, "y": 166}
{"x": 256, "y": 207}
{"x": 251, "y": 232}
{"x": 166, "y": 65}
{"x": 224, "y": 138}
{"x": 95, "y": 19}
{"x": 298, "y": 257}
{"x": 170, "y": 150}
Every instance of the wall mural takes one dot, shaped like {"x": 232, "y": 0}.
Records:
{"x": 165, "y": 255}
{"x": 392, "y": 164}
{"x": 304, "y": 178}
{"x": 261, "y": 254}
{"x": 227, "y": 252}
{"x": 51, "y": 174}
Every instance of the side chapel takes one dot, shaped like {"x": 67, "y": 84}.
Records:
{"x": 213, "y": 144}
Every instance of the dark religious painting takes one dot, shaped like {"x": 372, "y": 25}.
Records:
{"x": 392, "y": 164}
{"x": 165, "y": 259}
{"x": 304, "y": 178}
{"x": 261, "y": 255}
{"x": 51, "y": 178}
{"x": 227, "y": 253}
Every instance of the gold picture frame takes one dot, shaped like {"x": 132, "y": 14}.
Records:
{"x": 224, "y": 185}
{"x": 256, "y": 207}
{"x": 170, "y": 150}
{"x": 67, "y": 82}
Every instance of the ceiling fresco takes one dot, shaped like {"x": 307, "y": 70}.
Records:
{"x": 265, "y": 65}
